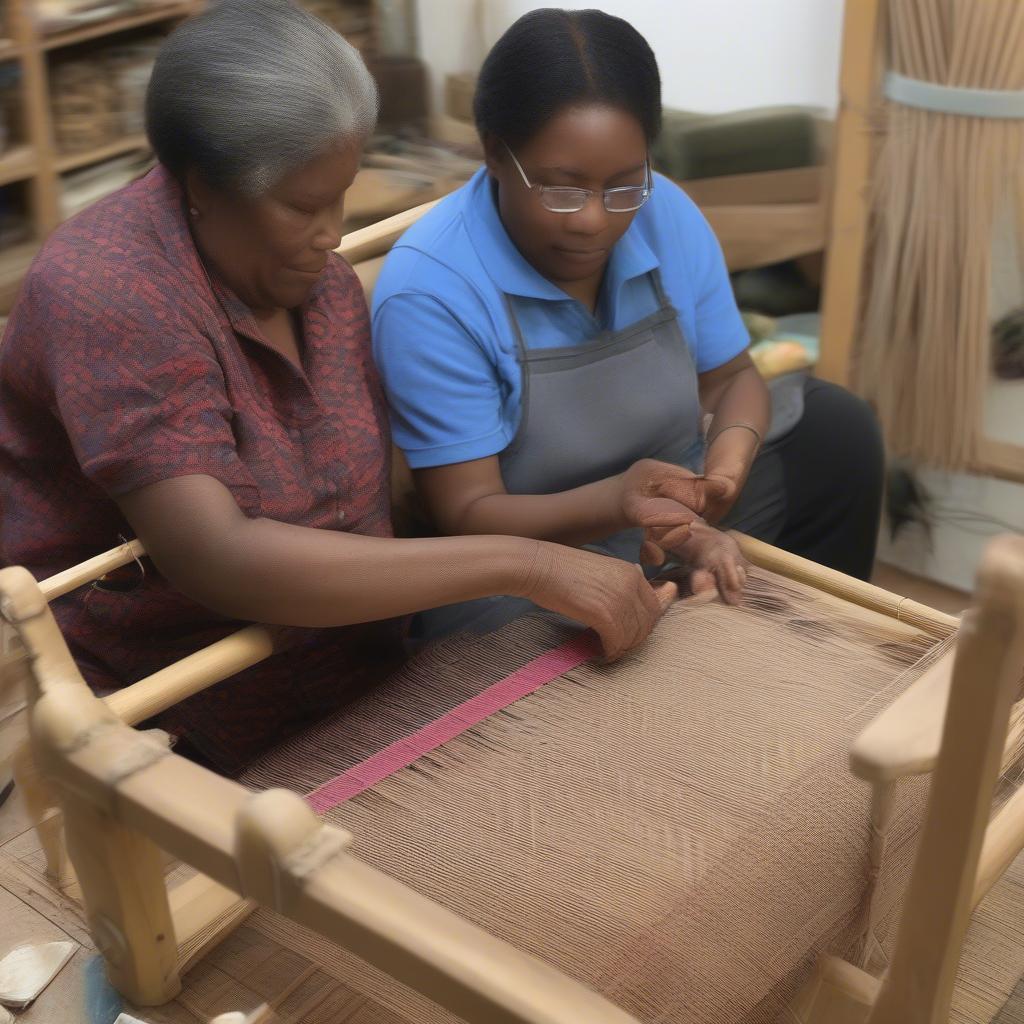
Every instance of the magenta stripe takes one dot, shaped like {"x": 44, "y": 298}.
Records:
{"x": 404, "y": 752}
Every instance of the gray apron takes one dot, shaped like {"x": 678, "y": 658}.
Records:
{"x": 589, "y": 412}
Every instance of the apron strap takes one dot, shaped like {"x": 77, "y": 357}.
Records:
{"x": 516, "y": 329}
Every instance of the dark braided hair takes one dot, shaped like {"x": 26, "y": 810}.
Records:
{"x": 551, "y": 59}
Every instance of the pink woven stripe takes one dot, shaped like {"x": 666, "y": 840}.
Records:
{"x": 404, "y": 752}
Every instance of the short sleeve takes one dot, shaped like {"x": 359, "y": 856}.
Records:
{"x": 443, "y": 391}
{"x": 135, "y": 385}
{"x": 720, "y": 332}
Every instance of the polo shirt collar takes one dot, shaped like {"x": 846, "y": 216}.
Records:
{"x": 512, "y": 273}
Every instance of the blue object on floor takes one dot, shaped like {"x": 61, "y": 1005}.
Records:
{"x": 102, "y": 1001}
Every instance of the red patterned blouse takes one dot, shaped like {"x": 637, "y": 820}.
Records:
{"x": 124, "y": 364}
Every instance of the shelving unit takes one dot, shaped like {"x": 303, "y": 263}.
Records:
{"x": 128, "y": 144}
{"x": 35, "y": 158}
{"x": 125, "y": 23}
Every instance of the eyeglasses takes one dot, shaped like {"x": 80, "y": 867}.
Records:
{"x": 565, "y": 199}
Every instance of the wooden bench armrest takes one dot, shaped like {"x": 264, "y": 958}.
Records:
{"x": 906, "y": 737}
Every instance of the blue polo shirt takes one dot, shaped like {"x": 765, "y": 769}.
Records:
{"x": 445, "y": 344}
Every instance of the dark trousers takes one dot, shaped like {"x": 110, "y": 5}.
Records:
{"x": 817, "y": 491}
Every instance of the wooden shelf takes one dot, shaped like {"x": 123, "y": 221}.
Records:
{"x": 37, "y": 163}
{"x": 109, "y": 26}
{"x": 17, "y": 165}
{"x": 14, "y": 262}
{"x": 128, "y": 144}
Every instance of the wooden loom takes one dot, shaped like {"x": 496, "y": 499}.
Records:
{"x": 125, "y": 796}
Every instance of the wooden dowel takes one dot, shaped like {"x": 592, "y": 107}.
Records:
{"x": 944, "y": 883}
{"x": 93, "y": 569}
{"x": 162, "y": 803}
{"x": 1004, "y": 839}
{"x": 120, "y": 873}
{"x": 376, "y": 239}
{"x": 905, "y": 738}
{"x": 866, "y": 595}
{"x": 173, "y": 684}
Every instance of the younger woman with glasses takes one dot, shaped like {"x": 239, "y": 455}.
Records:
{"x": 552, "y": 335}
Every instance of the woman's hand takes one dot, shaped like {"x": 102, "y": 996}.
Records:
{"x": 714, "y": 561}
{"x": 657, "y": 495}
{"x": 611, "y": 596}
{"x": 665, "y": 500}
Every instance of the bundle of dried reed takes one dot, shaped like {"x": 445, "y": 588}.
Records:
{"x": 942, "y": 184}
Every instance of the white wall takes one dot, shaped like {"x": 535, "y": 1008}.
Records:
{"x": 971, "y": 510}
{"x": 715, "y": 55}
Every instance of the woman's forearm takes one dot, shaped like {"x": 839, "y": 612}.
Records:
{"x": 578, "y": 516}
{"x": 276, "y": 573}
{"x": 741, "y": 418}
{"x": 265, "y": 571}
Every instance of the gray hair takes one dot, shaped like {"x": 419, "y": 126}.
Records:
{"x": 253, "y": 89}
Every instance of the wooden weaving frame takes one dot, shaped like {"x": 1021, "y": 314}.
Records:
{"x": 123, "y": 796}
{"x": 271, "y": 849}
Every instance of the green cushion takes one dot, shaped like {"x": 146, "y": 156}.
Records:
{"x": 740, "y": 142}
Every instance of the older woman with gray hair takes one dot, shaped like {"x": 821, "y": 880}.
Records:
{"x": 189, "y": 362}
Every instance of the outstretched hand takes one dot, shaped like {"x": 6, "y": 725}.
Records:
{"x": 713, "y": 560}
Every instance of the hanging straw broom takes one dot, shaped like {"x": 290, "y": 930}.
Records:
{"x": 943, "y": 182}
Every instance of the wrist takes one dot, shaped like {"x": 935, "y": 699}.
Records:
{"x": 733, "y": 469}
{"x": 732, "y": 457}
{"x": 525, "y": 565}
{"x": 612, "y": 506}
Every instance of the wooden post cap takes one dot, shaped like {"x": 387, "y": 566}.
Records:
{"x": 279, "y": 842}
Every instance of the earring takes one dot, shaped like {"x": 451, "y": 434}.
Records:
{"x": 193, "y": 211}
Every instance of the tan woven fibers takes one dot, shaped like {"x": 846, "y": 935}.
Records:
{"x": 939, "y": 185}
{"x": 680, "y": 831}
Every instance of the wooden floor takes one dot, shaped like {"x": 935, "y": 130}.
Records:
{"x": 29, "y": 913}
